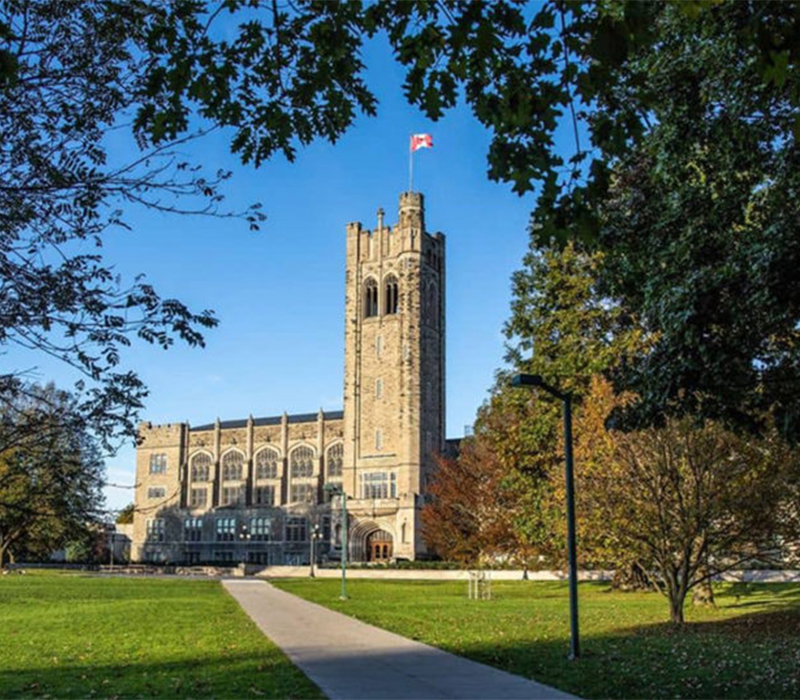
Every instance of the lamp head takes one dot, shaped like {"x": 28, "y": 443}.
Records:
{"x": 527, "y": 380}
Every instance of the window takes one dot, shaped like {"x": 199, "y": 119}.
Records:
{"x": 198, "y": 498}
{"x": 201, "y": 466}
{"x": 193, "y": 530}
{"x": 226, "y": 529}
{"x": 430, "y": 305}
{"x": 155, "y": 530}
{"x": 378, "y": 485}
{"x": 326, "y": 528}
{"x": 156, "y": 492}
{"x": 264, "y": 496}
{"x": 379, "y": 345}
{"x": 259, "y": 558}
{"x": 303, "y": 493}
{"x": 223, "y": 556}
{"x": 158, "y": 464}
{"x": 302, "y": 462}
{"x": 232, "y": 463}
{"x": 391, "y": 295}
{"x": 296, "y": 530}
{"x": 370, "y": 298}
{"x": 378, "y": 439}
{"x": 335, "y": 460}
{"x": 378, "y": 388}
{"x": 267, "y": 464}
{"x": 261, "y": 529}
{"x": 232, "y": 496}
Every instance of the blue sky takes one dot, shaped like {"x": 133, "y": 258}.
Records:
{"x": 279, "y": 293}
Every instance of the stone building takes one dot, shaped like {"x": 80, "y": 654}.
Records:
{"x": 260, "y": 489}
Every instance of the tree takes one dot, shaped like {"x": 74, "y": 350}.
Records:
{"x": 504, "y": 495}
{"x": 51, "y": 474}
{"x": 68, "y": 75}
{"x": 688, "y": 500}
{"x": 125, "y": 516}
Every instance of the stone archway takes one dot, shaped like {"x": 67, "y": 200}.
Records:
{"x": 379, "y": 546}
{"x": 371, "y": 541}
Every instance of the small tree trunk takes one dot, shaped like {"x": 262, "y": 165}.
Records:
{"x": 703, "y": 593}
{"x": 677, "y": 597}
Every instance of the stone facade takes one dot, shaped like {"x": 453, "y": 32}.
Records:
{"x": 255, "y": 489}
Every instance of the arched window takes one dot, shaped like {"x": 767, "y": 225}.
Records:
{"x": 302, "y": 462}
{"x": 335, "y": 459}
{"x": 370, "y": 298}
{"x": 391, "y": 295}
{"x": 267, "y": 464}
{"x": 232, "y": 463}
{"x": 201, "y": 466}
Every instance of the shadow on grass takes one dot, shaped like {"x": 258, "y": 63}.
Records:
{"x": 242, "y": 675}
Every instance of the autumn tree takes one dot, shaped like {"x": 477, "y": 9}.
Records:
{"x": 687, "y": 500}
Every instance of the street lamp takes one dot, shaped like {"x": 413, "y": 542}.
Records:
{"x": 534, "y": 380}
{"x": 244, "y": 536}
{"x": 314, "y": 537}
{"x": 337, "y": 490}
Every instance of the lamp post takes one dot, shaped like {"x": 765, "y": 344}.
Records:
{"x": 244, "y": 536}
{"x": 534, "y": 380}
{"x": 337, "y": 490}
{"x": 314, "y": 538}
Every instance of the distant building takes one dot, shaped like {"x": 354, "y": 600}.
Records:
{"x": 254, "y": 489}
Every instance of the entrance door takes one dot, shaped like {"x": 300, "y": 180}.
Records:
{"x": 379, "y": 546}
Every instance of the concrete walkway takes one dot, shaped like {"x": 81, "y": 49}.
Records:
{"x": 350, "y": 660}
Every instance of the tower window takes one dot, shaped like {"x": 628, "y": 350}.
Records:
{"x": 391, "y": 296}
{"x": 378, "y": 439}
{"x": 379, "y": 345}
{"x": 378, "y": 388}
{"x": 370, "y": 298}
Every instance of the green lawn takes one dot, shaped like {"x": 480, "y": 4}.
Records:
{"x": 749, "y": 646}
{"x": 67, "y": 635}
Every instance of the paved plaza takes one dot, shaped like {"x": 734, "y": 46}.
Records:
{"x": 351, "y": 660}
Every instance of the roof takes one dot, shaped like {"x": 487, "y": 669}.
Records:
{"x": 269, "y": 420}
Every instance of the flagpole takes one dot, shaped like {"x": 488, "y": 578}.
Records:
{"x": 410, "y": 168}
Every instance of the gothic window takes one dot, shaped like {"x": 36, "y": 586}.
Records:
{"x": 232, "y": 496}
{"x": 232, "y": 465}
{"x": 198, "y": 498}
{"x": 267, "y": 464}
{"x": 264, "y": 496}
{"x": 370, "y": 298}
{"x": 391, "y": 295}
{"x": 302, "y": 462}
{"x": 201, "y": 466}
{"x": 335, "y": 459}
{"x": 226, "y": 529}
{"x": 378, "y": 485}
{"x": 303, "y": 493}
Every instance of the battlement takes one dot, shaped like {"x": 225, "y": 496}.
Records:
{"x": 161, "y": 435}
{"x": 387, "y": 241}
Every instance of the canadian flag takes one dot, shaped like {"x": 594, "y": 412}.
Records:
{"x": 421, "y": 141}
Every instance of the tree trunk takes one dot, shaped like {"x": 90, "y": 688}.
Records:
{"x": 676, "y": 599}
{"x": 631, "y": 578}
